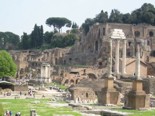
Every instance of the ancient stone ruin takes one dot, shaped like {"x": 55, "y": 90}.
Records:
{"x": 87, "y": 62}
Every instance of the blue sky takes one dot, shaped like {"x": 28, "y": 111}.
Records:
{"x": 20, "y": 16}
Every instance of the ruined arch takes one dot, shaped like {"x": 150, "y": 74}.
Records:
{"x": 66, "y": 81}
{"x": 137, "y": 34}
{"x": 151, "y": 34}
{"x": 71, "y": 81}
{"x": 6, "y": 85}
{"x": 92, "y": 76}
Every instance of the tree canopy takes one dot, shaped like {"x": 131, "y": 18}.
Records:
{"x": 63, "y": 41}
{"x": 38, "y": 39}
{"x": 7, "y": 66}
{"x": 144, "y": 14}
{"x": 58, "y": 22}
{"x": 9, "y": 40}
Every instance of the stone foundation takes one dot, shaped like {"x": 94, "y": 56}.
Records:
{"x": 108, "y": 95}
{"x": 137, "y": 98}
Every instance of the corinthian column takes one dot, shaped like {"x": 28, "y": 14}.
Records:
{"x": 110, "y": 59}
{"x": 124, "y": 58}
{"x": 117, "y": 57}
{"x": 138, "y": 63}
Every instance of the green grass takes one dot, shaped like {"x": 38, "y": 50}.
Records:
{"x": 58, "y": 85}
{"x": 1, "y": 110}
{"x": 137, "y": 112}
{"x": 42, "y": 108}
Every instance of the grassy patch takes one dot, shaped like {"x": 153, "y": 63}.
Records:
{"x": 58, "y": 85}
{"x": 1, "y": 110}
{"x": 137, "y": 112}
{"x": 42, "y": 108}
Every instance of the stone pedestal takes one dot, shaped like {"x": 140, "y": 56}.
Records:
{"x": 108, "y": 94}
{"x": 137, "y": 98}
{"x": 33, "y": 112}
{"x": 109, "y": 83}
{"x": 137, "y": 86}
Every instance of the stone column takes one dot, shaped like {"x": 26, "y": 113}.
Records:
{"x": 42, "y": 71}
{"x": 124, "y": 58}
{"x": 53, "y": 59}
{"x": 110, "y": 58}
{"x": 137, "y": 73}
{"x": 33, "y": 112}
{"x": 117, "y": 57}
{"x": 46, "y": 73}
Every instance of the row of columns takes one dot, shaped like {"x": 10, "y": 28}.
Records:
{"x": 123, "y": 71}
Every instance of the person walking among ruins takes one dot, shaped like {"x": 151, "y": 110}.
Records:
{"x": 7, "y": 113}
{"x": 20, "y": 93}
{"x": 10, "y": 112}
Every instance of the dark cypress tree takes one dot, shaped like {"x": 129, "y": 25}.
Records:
{"x": 25, "y": 41}
{"x": 37, "y": 37}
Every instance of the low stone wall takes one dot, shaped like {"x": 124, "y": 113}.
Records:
{"x": 20, "y": 87}
{"x": 149, "y": 85}
{"x": 113, "y": 113}
{"x": 106, "y": 112}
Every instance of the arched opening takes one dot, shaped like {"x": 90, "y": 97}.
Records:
{"x": 78, "y": 99}
{"x": 71, "y": 81}
{"x": 77, "y": 81}
{"x": 152, "y": 53}
{"x": 151, "y": 34}
{"x": 84, "y": 71}
{"x": 6, "y": 85}
{"x": 148, "y": 42}
{"x": 103, "y": 31}
{"x": 56, "y": 61}
{"x": 129, "y": 43}
{"x": 137, "y": 34}
{"x": 66, "y": 81}
{"x": 70, "y": 60}
{"x": 100, "y": 63}
{"x": 92, "y": 76}
{"x": 96, "y": 46}
{"x": 22, "y": 70}
{"x": 86, "y": 95}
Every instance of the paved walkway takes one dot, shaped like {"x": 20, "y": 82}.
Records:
{"x": 38, "y": 95}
